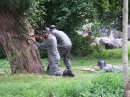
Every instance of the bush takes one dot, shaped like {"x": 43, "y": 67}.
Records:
{"x": 103, "y": 53}
{"x": 43, "y": 52}
{"x": 81, "y": 46}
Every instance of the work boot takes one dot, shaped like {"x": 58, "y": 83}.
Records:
{"x": 68, "y": 73}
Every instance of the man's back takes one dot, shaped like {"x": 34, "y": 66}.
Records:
{"x": 62, "y": 39}
{"x": 112, "y": 68}
{"x": 51, "y": 45}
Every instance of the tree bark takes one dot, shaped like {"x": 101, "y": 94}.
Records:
{"x": 22, "y": 56}
{"x": 125, "y": 49}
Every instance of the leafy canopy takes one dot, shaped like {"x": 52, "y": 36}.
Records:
{"x": 68, "y": 14}
{"x": 18, "y": 5}
{"x": 71, "y": 14}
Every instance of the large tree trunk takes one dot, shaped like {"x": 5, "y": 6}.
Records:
{"x": 23, "y": 57}
{"x": 125, "y": 49}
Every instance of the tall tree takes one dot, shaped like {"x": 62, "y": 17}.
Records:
{"x": 124, "y": 49}
{"x": 73, "y": 14}
{"x": 23, "y": 57}
{"x": 69, "y": 15}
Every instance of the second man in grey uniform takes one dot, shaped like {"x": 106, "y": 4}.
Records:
{"x": 63, "y": 44}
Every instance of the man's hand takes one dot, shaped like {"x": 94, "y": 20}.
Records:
{"x": 92, "y": 70}
{"x": 31, "y": 38}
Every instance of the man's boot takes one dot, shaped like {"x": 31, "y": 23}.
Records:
{"x": 68, "y": 73}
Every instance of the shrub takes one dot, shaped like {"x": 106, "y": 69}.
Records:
{"x": 43, "y": 52}
{"x": 81, "y": 45}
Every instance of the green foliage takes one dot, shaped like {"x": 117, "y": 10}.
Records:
{"x": 4, "y": 63}
{"x": 110, "y": 11}
{"x": 103, "y": 53}
{"x": 81, "y": 45}
{"x": 104, "y": 4}
{"x": 107, "y": 85}
{"x": 72, "y": 14}
{"x": 36, "y": 16}
{"x": 100, "y": 52}
{"x": 43, "y": 52}
{"x": 18, "y": 5}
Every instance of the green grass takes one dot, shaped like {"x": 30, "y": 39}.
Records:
{"x": 30, "y": 85}
{"x": 84, "y": 84}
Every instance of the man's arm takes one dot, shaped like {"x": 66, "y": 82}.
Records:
{"x": 95, "y": 69}
{"x": 86, "y": 69}
{"x": 36, "y": 36}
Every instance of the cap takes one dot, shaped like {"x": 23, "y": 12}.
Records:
{"x": 101, "y": 63}
{"x": 52, "y": 26}
{"x": 47, "y": 30}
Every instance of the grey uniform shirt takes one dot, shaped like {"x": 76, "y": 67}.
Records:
{"x": 51, "y": 45}
{"x": 62, "y": 39}
{"x": 112, "y": 68}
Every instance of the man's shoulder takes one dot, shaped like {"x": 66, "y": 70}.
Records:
{"x": 57, "y": 31}
{"x": 109, "y": 65}
{"x": 51, "y": 36}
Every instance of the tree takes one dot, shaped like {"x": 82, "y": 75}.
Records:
{"x": 73, "y": 14}
{"x": 70, "y": 15}
{"x": 110, "y": 13}
{"x": 125, "y": 50}
{"x": 23, "y": 57}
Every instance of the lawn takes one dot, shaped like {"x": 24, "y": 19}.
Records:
{"x": 84, "y": 84}
{"x": 30, "y": 85}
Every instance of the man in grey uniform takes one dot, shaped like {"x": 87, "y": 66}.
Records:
{"x": 101, "y": 65}
{"x": 109, "y": 67}
{"x": 63, "y": 44}
{"x": 50, "y": 42}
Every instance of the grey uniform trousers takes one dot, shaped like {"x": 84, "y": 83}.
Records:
{"x": 53, "y": 68}
{"x": 65, "y": 53}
